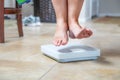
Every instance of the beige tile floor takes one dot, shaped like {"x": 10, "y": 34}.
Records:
{"x": 21, "y": 58}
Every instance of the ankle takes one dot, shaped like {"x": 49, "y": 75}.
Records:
{"x": 73, "y": 21}
{"x": 61, "y": 20}
{"x": 62, "y": 25}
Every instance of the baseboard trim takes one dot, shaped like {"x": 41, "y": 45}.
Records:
{"x": 109, "y": 14}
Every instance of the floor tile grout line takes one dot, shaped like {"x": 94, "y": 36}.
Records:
{"x": 48, "y": 71}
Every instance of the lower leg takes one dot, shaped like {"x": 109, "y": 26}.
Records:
{"x": 60, "y": 37}
{"x": 76, "y": 30}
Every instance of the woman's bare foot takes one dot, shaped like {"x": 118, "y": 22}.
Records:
{"x": 77, "y": 31}
{"x": 61, "y": 36}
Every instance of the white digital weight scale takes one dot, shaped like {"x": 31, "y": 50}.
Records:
{"x": 70, "y": 52}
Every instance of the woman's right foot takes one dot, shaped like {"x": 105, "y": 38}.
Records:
{"x": 61, "y": 36}
{"x": 79, "y": 32}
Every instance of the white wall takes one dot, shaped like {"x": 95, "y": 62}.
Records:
{"x": 90, "y": 8}
{"x": 9, "y": 3}
{"x": 99, "y": 8}
{"x": 85, "y": 13}
{"x": 94, "y": 7}
{"x": 27, "y": 9}
{"x": 109, "y": 7}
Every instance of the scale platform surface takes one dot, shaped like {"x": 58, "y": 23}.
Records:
{"x": 70, "y": 52}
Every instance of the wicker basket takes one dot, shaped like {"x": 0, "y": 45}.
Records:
{"x": 47, "y": 13}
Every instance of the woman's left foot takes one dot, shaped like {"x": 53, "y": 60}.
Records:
{"x": 79, "y": 32}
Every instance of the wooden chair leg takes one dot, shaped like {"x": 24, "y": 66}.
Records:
{"x": 1, "y": 21}
{"x": 19, "y": 23}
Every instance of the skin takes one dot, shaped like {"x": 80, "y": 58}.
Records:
{"x": 61, "y": 37}
{"x": 67, "y": 13}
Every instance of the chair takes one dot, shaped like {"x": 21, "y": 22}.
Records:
{"x": 17, "y": 12}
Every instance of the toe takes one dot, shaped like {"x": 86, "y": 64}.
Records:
{"x": 55, "y": 42}
{"x": 59, "y": 42}
{"x": 89, "y": 32}
{"x": 64, "y": 42}
{"x": 83, "y": 34}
